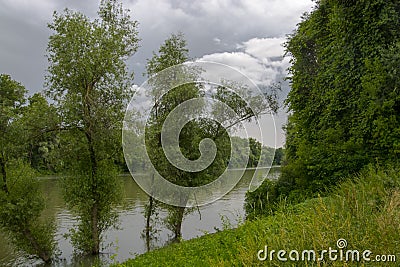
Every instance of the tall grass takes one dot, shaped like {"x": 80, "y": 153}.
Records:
{"x": 364, "y": 210}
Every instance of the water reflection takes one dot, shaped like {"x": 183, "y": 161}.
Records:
{"x": 126, "y": 241}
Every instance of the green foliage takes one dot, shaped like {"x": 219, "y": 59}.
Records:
{"x": 41, "y": 122}
{"x": 21, "y": 202}
{"x": 172, "y": 52}
{"x": 190, "y": 136}
{"x": 89, "y": 80}
{"x": 20, "y": 210}
{"x": 279, "y": 156}
{"x": 343, "y": 102}
{"x": 12, "y": 97}
{"x": 364, "y": 210}
{"x": 85, "y": 196}
{"x": 255, "y": 152}
{"x": 263, "y": 201}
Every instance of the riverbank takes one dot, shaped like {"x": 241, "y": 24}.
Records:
{"x": 121, "y": 243}
{"x": 362, "y": 213}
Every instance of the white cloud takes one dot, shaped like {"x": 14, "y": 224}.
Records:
{"x": 245, "y": 63}
{"x": 264, "y": 47}
{"x": 217, "y": 40}
{"x": 260, "y": 59}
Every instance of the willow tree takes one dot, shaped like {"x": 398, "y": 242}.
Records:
{"x": 21, "y": 201}
{"x": 89, "y": 80}
{"x": 172, "y": 52}
{"x": 165, "y": 100}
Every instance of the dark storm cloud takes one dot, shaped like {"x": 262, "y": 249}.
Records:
{"x": 24, "y": 36}
{"x": 22, "y": 47}
{"x": 231, "y": 22}
{"x": 210, "y": 26}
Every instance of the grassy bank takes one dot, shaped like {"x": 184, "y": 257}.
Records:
{"x": 365, "y": 211}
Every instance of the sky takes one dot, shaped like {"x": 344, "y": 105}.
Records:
{"x": 245, "y": 34}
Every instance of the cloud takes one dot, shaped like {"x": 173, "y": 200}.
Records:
{"x": 214, "y": 26}
{"x": 210, "y": 27}
{"x": 34, "y": 11}
{"x": 217, "y": 40}
{"x": 260, "y": 59}
{"x": 264, "y": 47}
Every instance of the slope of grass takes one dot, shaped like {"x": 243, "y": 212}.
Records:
{"x": 365, "y": 211}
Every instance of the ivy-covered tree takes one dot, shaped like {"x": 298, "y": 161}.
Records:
{"x": 344, "y": 102}
{"x": 89, "y": 80}
{"x": 343, "y": 99}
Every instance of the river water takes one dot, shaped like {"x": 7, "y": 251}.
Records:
{"x": 126, "y": 241}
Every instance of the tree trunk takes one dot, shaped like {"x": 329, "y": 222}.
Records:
{"x": 178, "y": 223}
{"x": 3, "y": 173}
{"x": 94, "y": 216}
{"x": 44, "y": 255}
{"x": 148, "y": 220}
{"x": 95, "y": 230}
{"x": 95, "y": 208}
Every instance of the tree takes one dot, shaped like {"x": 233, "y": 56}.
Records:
{"x": 43, "y": 122}
{"x": 255, "y": 152}
{"x": 195, "y": 129}
{"x": 344, "y": 101}
{"x": 279, "y": 156}
{"x": 172, "y": 52}
{"x": 21, "y": 202}
{"x": 89, "y": 80}
{"x": 11, "y": 101}
{"x": 341, "y": 92}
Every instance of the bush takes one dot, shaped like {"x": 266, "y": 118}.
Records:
{"x": 20, "y": 209}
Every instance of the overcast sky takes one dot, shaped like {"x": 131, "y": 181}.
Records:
{"x": 246, "y": 34}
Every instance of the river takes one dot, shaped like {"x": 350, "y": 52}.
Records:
{"x": 126, "y": 241}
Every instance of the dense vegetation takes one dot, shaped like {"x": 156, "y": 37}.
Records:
{"x": 21, "y": 201}
{"x": 364, "y": 211}
{"x": 344, "y": 103}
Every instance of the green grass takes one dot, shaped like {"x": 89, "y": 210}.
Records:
{"x": 364, "y": 210}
